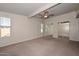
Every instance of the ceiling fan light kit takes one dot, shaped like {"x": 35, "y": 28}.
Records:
{"x": 45, "y": 14}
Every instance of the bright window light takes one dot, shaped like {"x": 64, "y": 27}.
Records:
{"x": 5, "y": 25}
{"x": 5, "y": 32}
{"x": 42, "y": 28}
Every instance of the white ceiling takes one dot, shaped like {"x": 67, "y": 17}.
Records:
{"x": 30, "y": 8}
{"x": 64, "y": 8}
{"x": 21, "y": 8}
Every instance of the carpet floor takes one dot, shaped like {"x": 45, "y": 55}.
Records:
{"x": 46, "y": 46}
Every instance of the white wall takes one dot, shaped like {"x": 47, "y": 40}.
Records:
{"x": 74, "y": 30}
{"x": 23, "y": 29}
{"x": 52, "y": 27}
{"x": 74, "y": 25}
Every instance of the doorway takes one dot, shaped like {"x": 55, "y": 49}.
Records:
{"x": 63, "y": 30}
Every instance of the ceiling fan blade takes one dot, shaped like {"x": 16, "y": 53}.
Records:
{"x": 51, "y": 14}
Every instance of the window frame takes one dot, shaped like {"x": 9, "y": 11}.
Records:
{"x": 6, "y": 27}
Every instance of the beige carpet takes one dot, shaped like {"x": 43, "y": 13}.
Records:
{"x": 46, "y": 46}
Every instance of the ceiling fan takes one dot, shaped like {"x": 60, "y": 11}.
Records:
{"x": 45, "y": 14}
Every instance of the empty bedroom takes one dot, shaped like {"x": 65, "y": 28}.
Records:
{"x": 39, "y": 29}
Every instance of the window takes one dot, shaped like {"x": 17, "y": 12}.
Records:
{"x": 5, "y": 25}
{"x": 42, "y": 26}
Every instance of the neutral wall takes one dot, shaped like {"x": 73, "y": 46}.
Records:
{"x": 22, "y": 29}
{"x": 74, "y": 30}
{"x": 74, "y": 25}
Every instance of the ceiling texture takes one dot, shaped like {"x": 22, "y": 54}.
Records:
{"x": 61, "y": 9}
{"x": 64, "y": 8}
{"x": 21, "y": 8}
{"x": 33, "y": 9}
